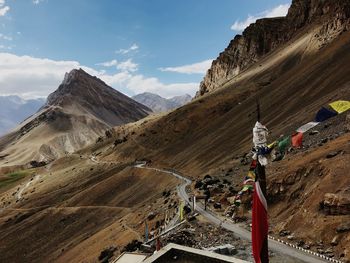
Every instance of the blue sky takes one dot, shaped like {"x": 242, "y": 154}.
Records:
{"x": 134, "y": 45}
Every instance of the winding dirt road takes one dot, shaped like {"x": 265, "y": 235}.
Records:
{"x": 236, "y": 229}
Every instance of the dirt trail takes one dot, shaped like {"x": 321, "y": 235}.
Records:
{"x": 32, "y": 181}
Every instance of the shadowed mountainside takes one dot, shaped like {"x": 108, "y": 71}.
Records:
{"x": 260, "y": 38}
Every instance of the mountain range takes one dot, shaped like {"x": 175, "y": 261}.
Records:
{"x": 14, "y": 109}
{"x": 160, "y": 104}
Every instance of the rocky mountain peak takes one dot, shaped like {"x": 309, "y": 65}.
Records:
{"x": 331, "y": 17}
{"x": 78, "y": 83}
{"x": 81, "y": 90}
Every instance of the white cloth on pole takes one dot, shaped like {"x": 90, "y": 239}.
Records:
{"x": 307, "y": 126}
{"x": 262, "y": 160}
{"x": 260, "y": 133}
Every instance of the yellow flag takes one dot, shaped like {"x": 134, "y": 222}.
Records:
{"x": 340, "y": 105}
{"x": 181, "y": 211}
{"x": 272, "y": 145}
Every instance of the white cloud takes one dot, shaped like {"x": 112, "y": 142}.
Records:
{"x": 31, "y": 77}
{"x": 5, "y": 47}
{"x": 2, "y": 2}
{"x": 277, "y": 11}
{"x": 4, "y": 10}
{"x": 36, "y": 2}
{"x": 196, "y": 68}
{"x": 5, "y": 37}
{"x": 133, "y": 47}
{"x": 127, "y": 65}
{"x": 111, "y": 63}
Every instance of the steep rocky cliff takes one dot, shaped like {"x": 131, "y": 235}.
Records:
{"x": 329, "y": 17}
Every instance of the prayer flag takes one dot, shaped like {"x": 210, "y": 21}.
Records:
{"x": 284, "y": 144}
{"x": 259, "y": 226}
{"x": 307, "y": 126}
{"x": 340, "y": 106}
{"x": 324, "y": 114}
{"x": 297, "y": 139}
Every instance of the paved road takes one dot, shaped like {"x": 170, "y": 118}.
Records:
{"x": 236, "y": 229}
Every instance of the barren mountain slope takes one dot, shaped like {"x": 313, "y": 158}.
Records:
{"x": 77, "y": 208}
{"x": 266, "y": 35}
{"x": 75, "y": 115}
{"x": 291, "y": 83}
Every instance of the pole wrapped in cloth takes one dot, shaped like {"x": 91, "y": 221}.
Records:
{"x": 260, "y": 226}
{"x": 146, "y": 231}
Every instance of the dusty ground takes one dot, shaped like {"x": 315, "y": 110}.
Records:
{"x": 78, "y": 208}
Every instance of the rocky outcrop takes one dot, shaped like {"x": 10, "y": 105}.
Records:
{"x": 265, "y": 35}
{"x": 335, "y": 204}
{"x": 94, "y": 97}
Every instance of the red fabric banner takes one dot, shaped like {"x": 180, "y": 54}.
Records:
{"x": 297, "y": 139}
{"x": 260, "y": 226}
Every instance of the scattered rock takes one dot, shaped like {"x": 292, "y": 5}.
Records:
{"x": 183, "y": 237}
{"x": 324, "y": 140}
{"x": 132, "y": 246}
{"x": 343, "y": 228}
{"x": 227, "y": 250}
{"x": 284, "y": 233}
{"x": 217, "y": 206}
{"x": 335, "y": 241}
{"x": 314, "y": 132}
{"x": 300, "y": 243}
{"x": 291, "y": 237}
{"x": 336, "y": 204}
{"x": 306, "y": 246}
{"x": 198, "y": 184}
{"x": 332, "y": 154}
{"x": 151, "y": 216}
{"x": 36, "y": 164}
{"x": 106, "y": 254}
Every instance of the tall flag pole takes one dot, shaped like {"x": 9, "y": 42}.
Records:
{"x": 259, "y": 213}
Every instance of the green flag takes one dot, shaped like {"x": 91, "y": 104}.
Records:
{"x": 284, "y": 144}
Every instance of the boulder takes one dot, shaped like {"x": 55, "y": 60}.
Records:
{"x": 336, "y": 204}
{"x": 343, "y": 228}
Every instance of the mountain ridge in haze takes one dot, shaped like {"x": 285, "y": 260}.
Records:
{"x": 14, "y": 109}
{"x": 160, "y": 104}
